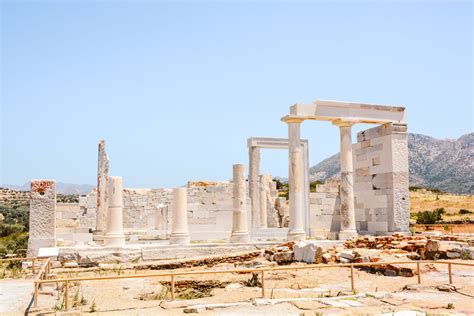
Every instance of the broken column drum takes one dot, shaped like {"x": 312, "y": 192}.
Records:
{"x": 114, "y": 231}
{"x": 295, "y": 181}
{"x": 179, "y": 231}
{"x": 239, "y": 217}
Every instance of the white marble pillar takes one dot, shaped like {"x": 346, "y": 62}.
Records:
{"x": 102, "y": 188}
{"x": 348, "y": 226}
{"x": 114, "y": 230}
{"x": 263, "y": 201}
{"x": 254, "y": 171}
{"x": 179, "y": 230}
{"x": 295, "y": 181}
{"x": 240, "y": 231}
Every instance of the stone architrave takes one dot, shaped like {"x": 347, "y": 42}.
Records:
{"x": 179, "y": 231}
{"x": 42, "y": 231}
{"x": 102, "y": 187}
{"x": 295, "y": 182}
{"x": 255, "y": 144}
{"x": 348, "y": 225}
{"x": 240, "y": 233}
{"x": 114, "y": 235}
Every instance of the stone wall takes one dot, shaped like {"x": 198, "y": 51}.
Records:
{"x": 324, "y": 207}
{"x": 381, "y": 179}
{"x": 147, "y": 213}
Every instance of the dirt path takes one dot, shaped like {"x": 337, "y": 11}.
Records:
{"x": 15, "y": 295}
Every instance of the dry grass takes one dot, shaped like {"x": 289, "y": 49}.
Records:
{"x": 422, "y": 200}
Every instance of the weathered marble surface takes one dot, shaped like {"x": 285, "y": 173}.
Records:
{"x": 42, "y": 231}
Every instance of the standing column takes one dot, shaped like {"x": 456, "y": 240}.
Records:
{"x": 179, "y": 230}
{"x": 295, "y": 181}
{"x": 114, "y": 233}
{"x": 254, "y": 171}
{"x": 102, "y": 186}
{"x": 263, "y": 201}
{"x": 240, "y": 231}
{"x": 348, "y": 226}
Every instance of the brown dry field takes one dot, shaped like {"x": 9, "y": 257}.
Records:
{"x": 426, "y": 200}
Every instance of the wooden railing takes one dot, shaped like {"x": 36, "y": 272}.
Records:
{"x": 32, "y": 259}
{"x": 262, "y": 271}
{"x": 41, "y": 276}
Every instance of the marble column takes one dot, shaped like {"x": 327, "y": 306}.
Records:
{"x": 295, "y": 181}
{"x": 179, "y": 230}
{"x": 102, "y": 187}
{"x": 348, "y": 226}
{"x": 263, "y": 201}
{"x": 254, "y": 192}
{"x": 114, "y": 230}
{"x": 240, "y": 231}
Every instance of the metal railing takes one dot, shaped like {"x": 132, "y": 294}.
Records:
{"x": 262, "y": 271}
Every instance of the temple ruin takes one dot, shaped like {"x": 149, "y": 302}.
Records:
{"x": 370, "y": 197}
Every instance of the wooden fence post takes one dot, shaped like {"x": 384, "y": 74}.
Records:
{"x": 35, "y": 295}
{"x": 263, "y": 284}
{"x": 33, "y": 261}
{"x": 418, "y": 272}
{"x": 450, "y": 274}
{"x": 172, "y": 287}
{"x": 66, "y": 296}
{"x": 352, "y": 278}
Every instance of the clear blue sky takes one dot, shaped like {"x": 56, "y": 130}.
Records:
{"x": 176, "y": 88}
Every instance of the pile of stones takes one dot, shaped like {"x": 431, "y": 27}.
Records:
{"x": 417, "y": 247}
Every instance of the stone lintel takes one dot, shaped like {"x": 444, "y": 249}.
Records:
{"x": 271, "y": 142}
{"x": 326, "y": 110}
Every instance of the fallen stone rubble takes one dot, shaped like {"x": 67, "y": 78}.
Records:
{"x": 421, "y": 247}
{"x": 373, "y": 249}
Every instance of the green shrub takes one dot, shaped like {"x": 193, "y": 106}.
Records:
{"x": 464, "y": 211}
{"x": 430, "y": 217}
{"x": 313, "y": 185}
{"x": 8, "y": 229}
{"x": 13, "y": 243}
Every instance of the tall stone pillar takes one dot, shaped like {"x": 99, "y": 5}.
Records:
{"x": 263, "y": 201}
{"x": 42, "y": 216}
{"x": 295, "y": 181}
{"x": 114, "y": 229}
{"x": 254, "y": 171}
{"x": 348, "y": 225}
{"x": 240, "y": 231}
{"x": 102, "y": 187}
{"x": 179, "y": 230}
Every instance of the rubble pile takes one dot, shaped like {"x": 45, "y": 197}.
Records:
{"x": 416, "y": 247}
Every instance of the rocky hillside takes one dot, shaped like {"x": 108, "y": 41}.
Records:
{"x": 435, "y": 163}
{"x": 61, "y": 188}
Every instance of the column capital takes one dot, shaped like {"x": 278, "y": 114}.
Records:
{"x": 292, "y": 119}
{"x": 345, "y": 122}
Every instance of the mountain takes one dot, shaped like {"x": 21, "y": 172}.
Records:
{"x": 445, "y": 164}
{"x": 62, "y": 188}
